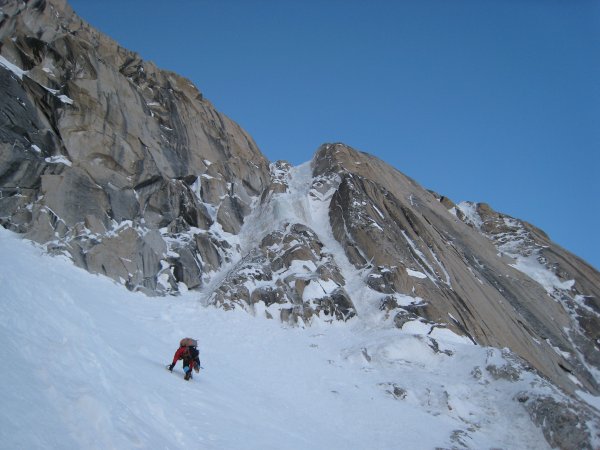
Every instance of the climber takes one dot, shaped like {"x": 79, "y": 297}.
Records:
{"x": 188, "y": 352}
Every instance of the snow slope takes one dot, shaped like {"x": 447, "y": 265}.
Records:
{"x": 84, "y": 367}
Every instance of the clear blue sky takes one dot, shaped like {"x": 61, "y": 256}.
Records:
{"x": 494, "y": 101}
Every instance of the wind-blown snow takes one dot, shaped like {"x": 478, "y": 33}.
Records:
{"x": 84, "y": 367}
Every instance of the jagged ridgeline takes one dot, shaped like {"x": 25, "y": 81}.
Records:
{"x": 130, "y": 172}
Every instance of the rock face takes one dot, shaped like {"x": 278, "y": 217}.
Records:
{"x": 111, "y": 158}
{"x": 413, "y": 245}
{"x": 492, "y": 278}
{"x": 133, "y": 174}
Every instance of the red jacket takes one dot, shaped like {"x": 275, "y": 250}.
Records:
{"x": 182, "y": 353}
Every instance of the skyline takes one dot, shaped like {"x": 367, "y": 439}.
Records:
{"x": 494, "y": 101}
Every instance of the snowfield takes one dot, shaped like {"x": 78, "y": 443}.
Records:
{"x": 84, "y": 368}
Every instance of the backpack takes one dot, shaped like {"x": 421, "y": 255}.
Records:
{"x": 188, "y": 342}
